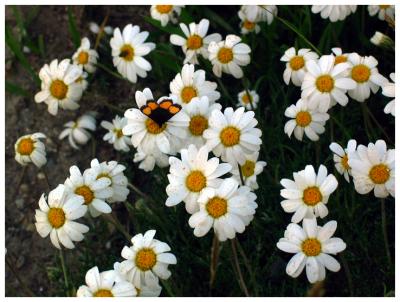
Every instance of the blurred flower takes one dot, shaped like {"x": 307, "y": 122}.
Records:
{"x": 308, "y": 194}
{"x": 260, "y": 13}
{"x": 232, "y": 134}
{"x": 77, "y": 130}
{"x": 149, "y": 160}
{"x": 115, "y": 136}
{"x": 296, "y": 64}
{"x": 388, "y": 89}
{"x": 311, "y": 245}
{"x": 146, "y": 260}
{"x": 382, "y": 40}
{"x": 340, "y": 57}
{"x": 59, "y": 87}
{"x": 228, "y": 55}
{"x": 95, "y": 28}
{"x": 82, "y": 80}
{"x": 249, "y": 170}
{"x": 29, "y": 148}
{"x": 246, "y": 25}
{"x": 334, "y": 12}
{"x": 85, "y": 56}
{"x": 227, "y": 208}
{"x": 373, "y": 168}
{"x": 383, "y": 11}
{"x": 105, "y": 284}
{"x": 306, "y": 120}
{"x": 341, "y": 157}
{"x": 189, "y": 84}
{"x": 166, "y": 13}
{"x": 56, "y": 217}
{"x": 195, "y": 40}
{"x": 248, "y": 100}
{"x": 191, "y": 175}
{"x": 128, "y": 50}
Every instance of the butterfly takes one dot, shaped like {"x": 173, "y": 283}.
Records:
{"x": 160, "y": 112}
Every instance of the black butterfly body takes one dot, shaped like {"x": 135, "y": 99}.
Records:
{"x": 160, "y": 112}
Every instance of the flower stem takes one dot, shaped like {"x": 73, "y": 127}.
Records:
{"x": 384, "y": 231}
{"x": 64, "y": 269}
{"x": 105, "y": 68}
{"x": 100, "y": 34}
{"x": 24, "y": 287}
{"x": 241, "y": 175}
{"x": 214, "y": 260}
{"x": 114, "y": 221}
{"x": 46, "y": 178}
{"x": 237, "y": 266}
{"x": 378, "y": 124}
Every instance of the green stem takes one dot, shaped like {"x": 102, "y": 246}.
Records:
{"x": 237, "y": 266}
{"x": 214, "y": 261}
{"x": 384, "y": 231}
{"x": 377, "y": 123}
{"x": 105, "y": 68}
{"x": 114, "y": 221}
{"x": 64, "y": 269}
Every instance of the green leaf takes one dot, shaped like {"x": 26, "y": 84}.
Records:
{"x": 16, "y": 89}
{"x": 76, "y": 38}
{"x": 214, "y": 17}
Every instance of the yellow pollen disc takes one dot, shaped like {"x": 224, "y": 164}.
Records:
{"x": 311, "y": 247}
{"x": 56, "y": 217}
{"x": 25, "y": 146}
{"x": 249, "y": 25}
{"x": 194, "y": 42}
{"x": 248, "y": 168}
{"x": 230, "y": 136}
{"x": 86, "y": 193}
{"x": 296, "y": 63}
{"x": 163, "y": 9}
{"x": 345, "y": 162}
{"x": 340, "y": 59}
{"x": 83, "y": 57}
{"x": 197, "y": 125}
{"x": 153, "y": 128}
{"x": 303, "y": 118}
{"x": 127, "y": 52}
{"x": 145, "y": 259}
{"x": 379, "y": 174}
{"x": 225, "y": 55}
{"x": 217, "y": 207}
{"x": 360, "y": 73}
{"x": 118, "y": 133}
{"x": 103, "y": 293}
{"x": 246, "y": 99}
{"x": 58, "y": 89}
{"x": 312, "y": 196}
{"x": 384, "y": 6}
{"x": 325, "y": 83}
{"x": 188, "y": 93}
{"x": 196, "y": 181}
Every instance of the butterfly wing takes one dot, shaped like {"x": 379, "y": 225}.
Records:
{"x": 162, "y": 112}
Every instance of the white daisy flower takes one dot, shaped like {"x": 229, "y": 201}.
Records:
{"x": 228, "y": 209}
{"x": 166, "y": 13}
{"x": 82, "y": 80}
{"x": 95, "y": 28}
{"x": 77, "y": 131}
{"x": 199, "y": 111}
{"x": 312, "y": 246}
{"x": 115, "y": 136}
{"x": 94, "y": 191}
{"x": 228, "y": 55}
{"x": 249, "y": 170}
{"x": 383, "y": 11}
{"x": 248, "y": 99}
{"x": 59, "y": 87}
{"x": 260, "y": 13}
{"x": 296, "y": 64}
{"x": 146, "y": 260}
{"x": 341, "y": 157}
{"x": 191, "y": 175}
{"x": 149, "y": 160}
{"x": 115, "y": 173}
{"x": 128, "y": 50}
{"x": 29, "y": 148}
{"x": 85, "y": 56}
{"x": 105, "y": 284}
{"x": 147, "y": 133}
{"x": 56, "y": 217}
{"x": 388, "y": 89}
{"x": 306, "y": 120}
{"x": 247, "y": 26}
{"x": 340, "y": 57}
{"x": 308, "y": 194}
{"x": 195, "y": 40}
{"x": 334, "y": 12}
{"x": 373, "y": 168}
{"x": 189, "y": 84}
{"x": 365, "y": 73}
{"x": 325, "y": 83}
{"x": 232, "y": 134}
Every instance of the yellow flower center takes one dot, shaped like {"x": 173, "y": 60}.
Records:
{"x": 312, "y": 196}
{"x": 340, "y": 59}
{"x": 248, "y": 168}
{"x": 86, "y": 193}
{"x": 311, "y": 247}
{"x": 196, "y": 181}
{"x": 25, "y": 146}
{"x": 246, "y": 98}
{"x": 297, "y": 62}
{"x": 249, "y": 25}
{"x": 194, "y": 42}
{"x": 197, "y": 125}
{"x": 225, "y": 55}
{"x": 303, "y": 118}
{"x": 103, "y": 293}
{"x": 153, "y": 127}
{"x": 118, "y": 133}
{"x": 217, "y": 207}
{"x": 384, "y": 6}
{"x": 360, "y": 73}
{"x": 230, "y": 136}
{"x": 345, "y": 162}
{"x": 188, "y": 93}
{"x": 56, "y": 217}
{"x": 163, "y": 9}
{"x": 379, "y": 174}
{"x": 83, "y": 57}
{"x": 127, "y": 52}
{"x": 145, "y": 259}
{"x": 325, "y": 83}
{"x": 58, "y": 89}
